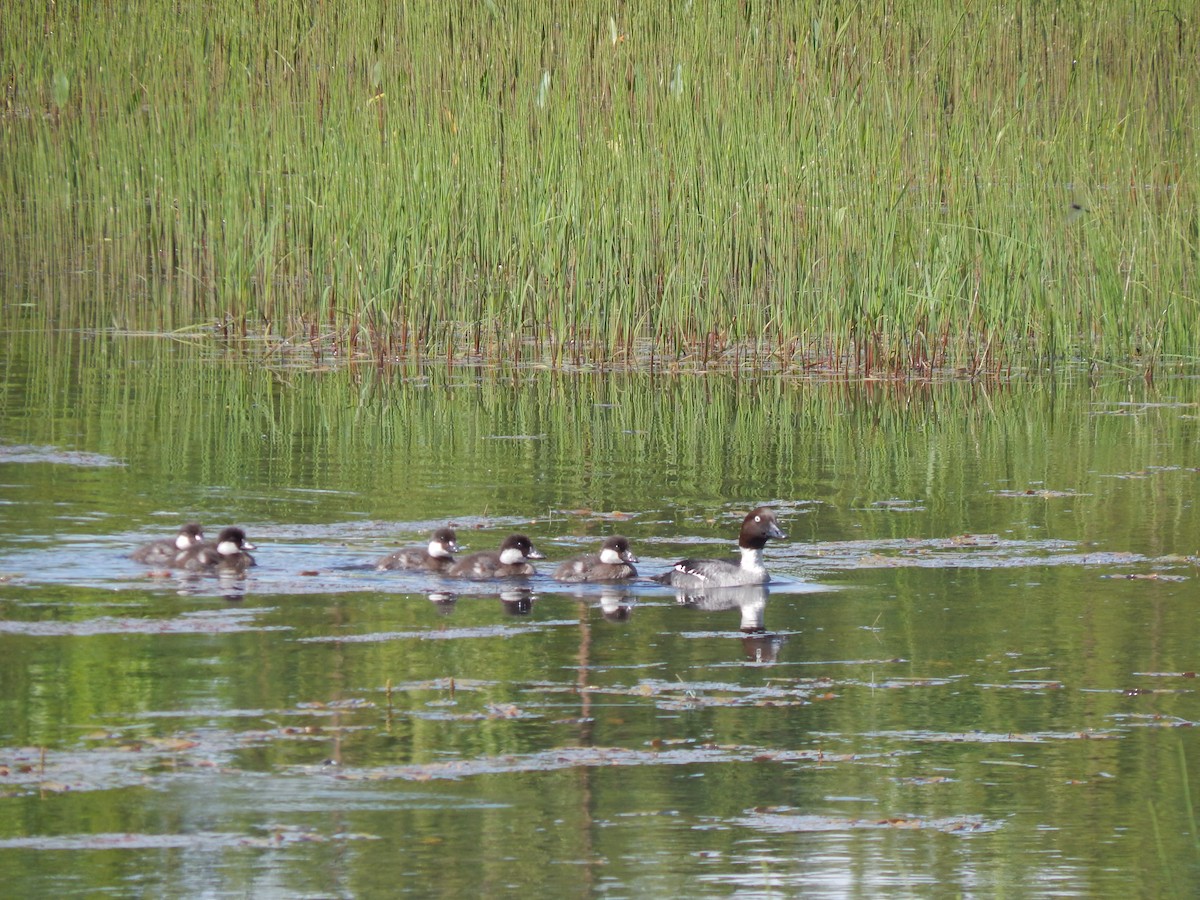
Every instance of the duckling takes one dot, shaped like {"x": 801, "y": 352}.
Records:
{"x": 438, "y": 556}
{"x": 163, "y": 552}
{"x": 612, "y": 563}
{"x": 228, "y": 554}
{"x": 510, "y": 561}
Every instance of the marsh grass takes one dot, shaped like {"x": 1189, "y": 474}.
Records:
{"x": 826, "y": 185}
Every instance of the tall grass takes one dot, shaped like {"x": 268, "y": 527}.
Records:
{"x": 820, "y": 184}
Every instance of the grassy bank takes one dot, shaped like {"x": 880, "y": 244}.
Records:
{"x": 828, "y": 185}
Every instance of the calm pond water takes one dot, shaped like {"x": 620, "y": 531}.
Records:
{"x": 973, "y": 674}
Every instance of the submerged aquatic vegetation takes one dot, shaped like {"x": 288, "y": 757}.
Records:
{"x": 785, "y": 186}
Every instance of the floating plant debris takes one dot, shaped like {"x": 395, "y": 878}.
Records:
{"x": 783, "y": 822}
{"x": 227, "y": 621}
{"x": 29, "y": 453}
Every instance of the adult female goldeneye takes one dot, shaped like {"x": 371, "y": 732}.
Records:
{"x": 163, "y": 553}
{"x": 612, "y": 563}
{"x": 511, "y": 560}
{"x": 437, "y": 557}
{"x": 757, "y": 528}
{"x": 228, "y": 554}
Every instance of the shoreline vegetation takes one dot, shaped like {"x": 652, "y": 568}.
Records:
{"x": 828, "y": 187}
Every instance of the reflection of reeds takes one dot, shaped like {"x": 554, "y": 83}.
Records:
{"x": 944, "y": 189}
{"x": 204, "y": 434}
{"x": 1167, "y": 849}
{"x": 1186, "y": 790}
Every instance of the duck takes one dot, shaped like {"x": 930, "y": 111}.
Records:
{"x": 510, "y": 561}
{"x": 438, "y": 556}
{"x": 612, "y": 563}
{"x": 758, "y": 527}
{"x": 228, "y": 554}
{"x": 163, "y": 552}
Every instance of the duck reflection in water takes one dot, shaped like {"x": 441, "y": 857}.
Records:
{"x": 763, "y": 648}
{"x": 514, "y": 601}
{"x": 231, "y": 585}
{"x": 443, "y": 601}
{"x": 751, "y": 602}
{"x": 517, "y": 601}
{"x": 616, "y": 605}
{"x": 616, "y": 602}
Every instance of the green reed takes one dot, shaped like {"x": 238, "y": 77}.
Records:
{"x": 829, "y": 185}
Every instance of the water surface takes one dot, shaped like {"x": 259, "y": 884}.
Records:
{"x": 973, "y": 673}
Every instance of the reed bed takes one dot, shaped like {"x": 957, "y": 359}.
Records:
{"x": 813, "y": 185}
